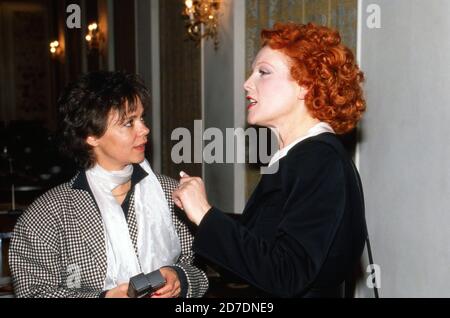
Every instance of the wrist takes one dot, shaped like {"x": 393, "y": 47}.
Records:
{"x": 206, "y": 208}
{"x": 205, "y": 211}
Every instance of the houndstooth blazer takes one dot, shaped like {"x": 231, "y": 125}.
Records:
{"x": 58, "y": 245}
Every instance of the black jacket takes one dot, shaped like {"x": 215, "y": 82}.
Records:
{"x": 303, "y": 229}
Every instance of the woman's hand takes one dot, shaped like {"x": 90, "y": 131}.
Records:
{"x": 120, "y": 291}
{"x": 172, "y": 288}
{"x": 191, "y": 198}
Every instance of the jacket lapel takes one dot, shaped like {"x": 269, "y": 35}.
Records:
{"x": 132, "y": 223}
{"x": 90, "y": 223}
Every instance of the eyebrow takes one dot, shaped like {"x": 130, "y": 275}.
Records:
{"x": 134, "y": 116}
{"x": 130, "y": 117}
{"x": 262, "y": 62}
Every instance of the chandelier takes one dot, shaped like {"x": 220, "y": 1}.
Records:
{"x": 202, "y": 19}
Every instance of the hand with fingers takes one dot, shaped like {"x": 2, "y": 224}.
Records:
{"x": 172, "y": 288}
{"x": 190, "y": 196}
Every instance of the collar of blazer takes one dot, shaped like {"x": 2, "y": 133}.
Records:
{"x": 89, "y": 219}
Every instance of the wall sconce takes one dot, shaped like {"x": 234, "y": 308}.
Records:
{"x": 55, "y": 49}
{"x": 202, "y": 19}
{"x": 94, "y": 37}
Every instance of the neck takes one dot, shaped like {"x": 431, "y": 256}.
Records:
{"x": 122, "y": 189}
{"x": 110, "y": 166}
{"x": 289, "y": 132}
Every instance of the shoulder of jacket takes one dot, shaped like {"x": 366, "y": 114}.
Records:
{"x": 310, "y": 160}
{"x": 167, "y": 183}
{"x": 49, "y": 205}
{"x": 314, "y": 150}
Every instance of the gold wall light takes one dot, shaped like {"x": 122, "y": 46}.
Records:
{"x": 202, "y": 19}
{"x": 94, "y": 36}
{"x": 55, "y": 49}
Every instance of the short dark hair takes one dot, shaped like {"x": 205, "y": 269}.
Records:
{"x": 85, "y": 105}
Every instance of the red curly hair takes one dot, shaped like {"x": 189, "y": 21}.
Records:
{"x": 326, "y": 68}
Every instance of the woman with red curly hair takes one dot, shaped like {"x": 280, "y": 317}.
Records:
{"x": 303, "y": 230}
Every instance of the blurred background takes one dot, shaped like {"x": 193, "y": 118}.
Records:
{"x": 46, "y": 44}
{"x": 195, "y": 56}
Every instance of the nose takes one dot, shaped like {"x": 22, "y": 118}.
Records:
{"x": 248, "y": 85}
{"x": 144, "y": 130}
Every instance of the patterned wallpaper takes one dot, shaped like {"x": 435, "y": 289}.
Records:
{"x": 31, "y": 65}
{"x": 260, "y": 14}
{"x": 24, "y": 61}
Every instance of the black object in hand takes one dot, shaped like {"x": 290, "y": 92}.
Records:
{"x": 143, "y": 284}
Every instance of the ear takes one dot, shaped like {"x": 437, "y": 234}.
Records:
{"x": 92, "y": 141}
{"x": 302, "y": 93}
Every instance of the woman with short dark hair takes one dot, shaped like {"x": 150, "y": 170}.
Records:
{"x": 115, "y": 218}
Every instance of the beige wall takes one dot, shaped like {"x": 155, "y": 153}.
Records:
{"x": 404, "y": 153}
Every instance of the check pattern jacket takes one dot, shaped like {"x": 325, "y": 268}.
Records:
{"x": 58, "y": 245}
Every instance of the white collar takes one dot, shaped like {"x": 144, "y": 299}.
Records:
{"x": 317, "y": 129}
{"x": 110, "y": 180}
{"x": 157, "y": 242}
